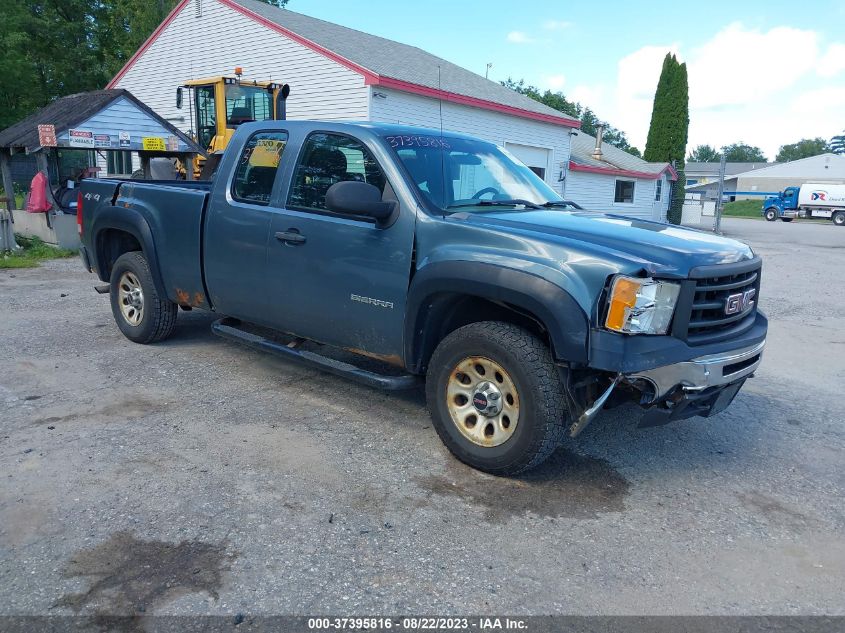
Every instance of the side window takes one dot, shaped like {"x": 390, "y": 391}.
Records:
{"x": 257, "y": 167}
{"x": 325, "y": 160}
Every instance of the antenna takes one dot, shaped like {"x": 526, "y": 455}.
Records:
{"x": 442, "y": 148}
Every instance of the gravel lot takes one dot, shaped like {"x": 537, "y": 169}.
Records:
{"x": 196, "y": 476}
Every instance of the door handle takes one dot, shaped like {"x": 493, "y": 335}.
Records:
{"x": 291, "y": 236}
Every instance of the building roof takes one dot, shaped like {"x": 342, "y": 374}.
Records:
{"x": 822, "y": 166}
{"x": 712, "y": 169}
{"x": 384, "y": 62}
{"x": 614, "y": 161}
{"x": 68, "y": 112}
{"x": 393, "y": 60}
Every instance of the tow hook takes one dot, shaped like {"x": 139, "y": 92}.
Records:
{"x": 590, "y": 413}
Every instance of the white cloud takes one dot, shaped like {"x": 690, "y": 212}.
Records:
{"x": 740, "y": 66}
{"x": 556, "y": 25}
{"x": 590, "y": 96}
{"x": 745, "y": 85}
{"x": 833, "y": 61}
{"x": 519, "y": 37}
{"x": 555, "y": 82}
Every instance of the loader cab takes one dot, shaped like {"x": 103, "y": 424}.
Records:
{"x": 218, "y": 105}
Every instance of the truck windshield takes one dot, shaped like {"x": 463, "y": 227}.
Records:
{"x": 247, "y": 103}
{"x": 468, "y": 174}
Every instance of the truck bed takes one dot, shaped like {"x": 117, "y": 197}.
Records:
{"x": 173, "y": 211}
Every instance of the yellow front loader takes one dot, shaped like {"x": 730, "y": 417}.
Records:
{"x": 218, "y": 105}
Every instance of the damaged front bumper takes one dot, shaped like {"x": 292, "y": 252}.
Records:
{"x": 702, "y": 386}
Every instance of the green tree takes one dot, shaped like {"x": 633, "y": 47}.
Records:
{"x": 667, "y": 133}
{"x": 743, "y": 153}
{"x": 53, "y": 48}
{"x": 704, "y": 154}
{"x": 589, "y": 121}
{"x": 804, "y": 148}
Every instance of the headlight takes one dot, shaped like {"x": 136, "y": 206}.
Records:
{"x": 640, "y": 306}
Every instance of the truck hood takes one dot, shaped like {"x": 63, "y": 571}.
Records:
{"x": 657, "y": 247}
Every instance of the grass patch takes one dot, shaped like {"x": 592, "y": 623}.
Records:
{"x": 743, "y": 209}
{"x": 32, "y": 251}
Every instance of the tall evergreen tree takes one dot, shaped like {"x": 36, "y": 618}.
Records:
{"x": 667, "y": 134}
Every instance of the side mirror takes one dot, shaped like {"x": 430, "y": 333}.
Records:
{"x": 179, "y": 98}
{"x": 359, "y": 198}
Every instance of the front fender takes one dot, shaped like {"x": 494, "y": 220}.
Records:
{"x": 560, "y": 314}
{"x": 133, "y": 223}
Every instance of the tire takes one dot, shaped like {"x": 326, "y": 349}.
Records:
{"x": 838, "y": 218}
{"x": 771, "y": 215}
{"x": 786, "y": 219}
{"x": 140, "y": 313}
{"x": 519, "y": 367}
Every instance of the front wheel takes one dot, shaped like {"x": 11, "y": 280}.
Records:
{"x": 771, "y": 215}
{"x": 141, "y": 314}
{"x": 496, "y": 397}
{"x": 839, "y": 218}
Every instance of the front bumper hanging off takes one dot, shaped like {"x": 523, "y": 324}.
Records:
{"x": 702, "y": 386}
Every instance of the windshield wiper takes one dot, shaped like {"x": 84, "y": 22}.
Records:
{"x": 561, "y": 203}
{"x": 497, "y": 203}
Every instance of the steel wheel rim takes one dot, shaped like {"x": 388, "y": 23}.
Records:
{"x": 130, "y": 296}
{"x": 479, "y": 375}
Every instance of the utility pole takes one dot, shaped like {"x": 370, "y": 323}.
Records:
{"x": 487, "y": 72}
{"x": 717, "y": 221}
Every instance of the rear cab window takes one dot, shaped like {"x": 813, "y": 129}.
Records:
{"x": 257, "y": 167}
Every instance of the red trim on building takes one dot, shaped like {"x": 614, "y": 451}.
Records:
{"x": 406, "y": 86}
{"x": 612, "y": 171}
{"x": 370, "y": 78}
{"x": 149, "y": 41}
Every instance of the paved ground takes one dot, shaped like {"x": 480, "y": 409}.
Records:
{"x": 195, "y": 476}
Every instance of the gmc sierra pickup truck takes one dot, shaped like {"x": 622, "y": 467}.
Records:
{"x": 435, "y": 255}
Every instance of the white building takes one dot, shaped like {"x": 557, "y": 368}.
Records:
{"x": 338, "y": 73}
{"x": 615, "y": 181}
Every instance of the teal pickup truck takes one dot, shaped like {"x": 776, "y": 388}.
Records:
{"x": 434, "y": 256}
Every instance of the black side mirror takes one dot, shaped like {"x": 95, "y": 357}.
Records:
{"x": 179, "y": 98}
{"x": 359, "y": 198}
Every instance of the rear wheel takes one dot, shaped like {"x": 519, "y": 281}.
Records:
{"x": 141, "y": 314}
{"x": 839, "y": 218}
{"x": 496, "y": 397}
{"x": 771, "y": 215}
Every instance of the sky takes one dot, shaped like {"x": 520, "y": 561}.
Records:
{"x": 762, "y": 72}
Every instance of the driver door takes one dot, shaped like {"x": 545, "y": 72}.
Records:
{"x": 339, "y": 279}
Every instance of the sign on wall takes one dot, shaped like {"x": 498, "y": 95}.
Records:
{"x": 80, "y": 138}
{"x": 124, "y": 139}
{"x": 102, "y": 140}
{"x": 153, "y": 144}
{"x": 47, "y": 135}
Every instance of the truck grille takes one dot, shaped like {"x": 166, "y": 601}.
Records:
{"x": 708, "y": 321}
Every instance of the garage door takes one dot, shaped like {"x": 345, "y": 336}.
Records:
{"x": 537, "y": 158}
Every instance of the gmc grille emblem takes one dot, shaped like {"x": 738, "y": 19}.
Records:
{"x": 740, "y": 302}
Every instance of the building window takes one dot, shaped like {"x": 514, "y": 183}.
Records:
{"x": 658, "y": 190}
{"x": 119, "y": 163}
{"x": 624, "y": 192}
{"x": 540, "y": 171}
{"x": 325, "y": 160}
{"x": 257, "y": 167}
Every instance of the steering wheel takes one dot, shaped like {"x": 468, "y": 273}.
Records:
{"x": 477, "y": 195}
